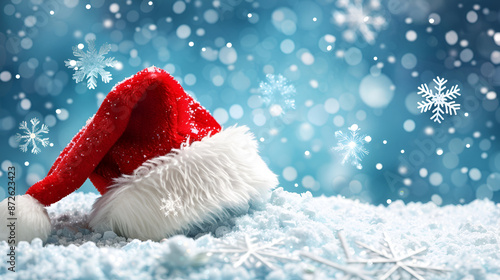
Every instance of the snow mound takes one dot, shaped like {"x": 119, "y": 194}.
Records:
{"x": 463, "y": 238}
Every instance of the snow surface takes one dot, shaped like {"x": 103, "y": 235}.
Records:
{"x": 464, "y": 238}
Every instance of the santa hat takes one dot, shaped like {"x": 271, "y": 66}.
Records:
{"x": 160, "y": 160}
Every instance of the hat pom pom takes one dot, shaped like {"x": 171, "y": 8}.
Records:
{"x": 29, "y": 219}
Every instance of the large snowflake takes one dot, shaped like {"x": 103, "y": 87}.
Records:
{"x": 406, "y": 263}
{"x": 91, "y": 64}
{"x": 381, "y": 263}
{"x": 248, "y": 252}
{"x": 351, "y": 145}
{"x": 439, "y": 100}
{"x": 32, "y": 136}
{"x": 277, "y": 94}
{"x": 359, "y": 16}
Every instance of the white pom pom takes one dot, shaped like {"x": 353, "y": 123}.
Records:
{"x": 31, "y": 221}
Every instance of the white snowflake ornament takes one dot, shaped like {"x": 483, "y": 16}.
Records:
{"x": 32, "y": 136}
{"x": 91, "y": 64}
{"x": 439, "y": 100}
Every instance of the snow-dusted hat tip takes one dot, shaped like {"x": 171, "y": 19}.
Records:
{"x": 160, "y": 160}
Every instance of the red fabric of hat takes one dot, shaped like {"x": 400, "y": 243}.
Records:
{"x": 141, "y": 118}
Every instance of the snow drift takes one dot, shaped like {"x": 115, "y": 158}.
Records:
{"x": 463, "y": 239}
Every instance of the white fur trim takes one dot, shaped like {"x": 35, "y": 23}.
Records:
{"x": 201, "y": 182}
{"x": 32, "y": 219}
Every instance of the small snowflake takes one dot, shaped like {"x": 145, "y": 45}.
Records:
{"x": 170, "y": 205}
{"x": 351, "y": 146}
{"x": 439, "y": 99}
{"x": 32, "y": 136}
{"x": 277, "y": 94}
{"x": 359, "y": 17}
{"x": 247, "y": 252}
{"x": 91, "y": 64}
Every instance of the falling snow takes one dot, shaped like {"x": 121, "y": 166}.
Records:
{"x": 249, "y": 253}
{"x": 170, "y": 206}
{"x": 439, "y": 99}
{"x": 277, "y": 94}
{"x": 32, "y": 136}
{"x": 91, "y": 64}
{"x": 359, "y": 16}
{"x": 351, "y": 146}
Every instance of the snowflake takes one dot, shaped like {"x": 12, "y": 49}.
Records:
{"x": 247, "y": 252}
{"x": 170, "y": 205}
{"x": 378, "y": 264}
{"x": 91, "y": 64}
{"x": 277, "y": 94}
{"x": 32, "y": 136}
{"x": 352, "y": 146}
{"x": 387, "y": 256}
{"x": 359, "y": 17}
{"x": 439, "y": 99}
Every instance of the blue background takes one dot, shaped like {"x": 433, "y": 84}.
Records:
{"x": 414, "y": 42}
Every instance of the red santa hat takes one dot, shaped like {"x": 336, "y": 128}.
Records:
{"x": 160, "y": 160}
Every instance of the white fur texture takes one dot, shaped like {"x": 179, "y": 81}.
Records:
{"x": 202, "y": 181}
{"x": 32, "y": 219}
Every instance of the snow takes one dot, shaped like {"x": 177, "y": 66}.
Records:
{"x": 461, "y": 238}
{"x": 248, "y": 251}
